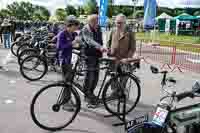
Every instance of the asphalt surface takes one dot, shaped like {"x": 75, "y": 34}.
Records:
{"x": 17, "y": 93}
{"x": 16, "y": 97}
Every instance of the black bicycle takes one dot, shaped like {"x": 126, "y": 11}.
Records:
{"x": 54, "y": 98}
{"x": 167, "y": 118}
{"x": 34, "y": 66}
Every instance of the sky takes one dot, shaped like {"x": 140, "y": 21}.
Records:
{"x": 52, "y": 5}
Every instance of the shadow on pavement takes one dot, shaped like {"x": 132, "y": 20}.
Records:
{"x": 10, "y": 73}
{"x": 76, "y": 130}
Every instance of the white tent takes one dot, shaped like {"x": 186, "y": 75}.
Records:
{"x": 164, "y": 16}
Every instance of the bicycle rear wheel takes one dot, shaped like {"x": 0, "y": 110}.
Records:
{"x": 126, "y": 85}
{"x": 14, "y": 48}
{"x": 33, "y": 68}
{"x": 47, "y": 107}
{"x": 26, "y": 53}
{"x": 22, "y": 48}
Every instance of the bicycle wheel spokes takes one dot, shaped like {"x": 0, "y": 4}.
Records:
{"x": 25, "y": 54}
{"x": 33, "y": 68}
{"x": 125, "y": 87}
{"x": 51, "y": 111}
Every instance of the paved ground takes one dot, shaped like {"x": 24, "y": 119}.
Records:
{"x": 15, "y": 103}
{"x": 16, "y": 94}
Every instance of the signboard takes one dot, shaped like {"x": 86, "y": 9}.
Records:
{"x": 160, "y": 116}
{"x": 137, "y": 121}
{"x": 102, "y": 12}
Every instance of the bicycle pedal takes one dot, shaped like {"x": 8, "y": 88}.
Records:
{"x": 92, "y": 106}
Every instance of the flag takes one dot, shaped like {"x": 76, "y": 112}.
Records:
{"x": 149, "y": 13}
{"x": 102, "y": 12}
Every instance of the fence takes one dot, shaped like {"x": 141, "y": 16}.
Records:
{"x": 171, "y": 54}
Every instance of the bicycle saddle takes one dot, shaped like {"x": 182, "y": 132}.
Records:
{"x": 171, "y": 79}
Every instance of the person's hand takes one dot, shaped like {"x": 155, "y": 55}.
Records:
{"x": 77, "y": 39}
{"x": 103, "y": 49}
{"x": 125, "y": 60}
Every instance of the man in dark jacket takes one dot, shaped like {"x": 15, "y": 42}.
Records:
{"x": 92, "y": 36}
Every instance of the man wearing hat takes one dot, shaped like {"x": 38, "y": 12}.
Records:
{"x": 65, "y": 40}
{"x": 6, "y": 33}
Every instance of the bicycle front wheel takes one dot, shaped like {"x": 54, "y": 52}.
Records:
{"x": 47, "y": 110}
{"x": 14, "y": 48}
{"x": 33, "y": 68}
{"x": 121, "y": 94}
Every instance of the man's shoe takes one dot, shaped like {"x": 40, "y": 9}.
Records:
{"x": 91, "y": 99}
{"x": 69, "y": 106}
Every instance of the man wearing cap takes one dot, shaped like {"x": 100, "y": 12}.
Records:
{"x": 65, "y": 40}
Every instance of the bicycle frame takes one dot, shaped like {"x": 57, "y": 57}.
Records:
{"x": 80, "y": 88}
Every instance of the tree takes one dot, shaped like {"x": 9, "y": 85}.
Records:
{"x": 166, "y": 10}
{"x": 41, "y": 13}
{"x": 22, "y": 10}
{"x": 27, "y": 11}
{"x": 196, "y": 13}
{"x": 70, "y": 10}
{"x": 90, "y": 7}
{"x": 110, "y": 8}
{"x": 80, "y": 11}
{"x": 139, "y": 14}
{"x": 61, "y": 14}
{"x": 4, "y": 13}
{"x": 127, "y": 11}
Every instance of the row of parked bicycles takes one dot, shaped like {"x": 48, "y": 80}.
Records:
{"x": 36, "y": 55}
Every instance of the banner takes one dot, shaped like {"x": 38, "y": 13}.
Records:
{"x": 149, "y": 13}
{"x": 102, "y": 13}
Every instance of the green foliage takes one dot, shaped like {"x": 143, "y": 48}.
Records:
{"x": 25, "y": 11}
{"x": 4, "y": 13}
{"x": 139, "y": 14}
{"x": 61, "y": 14}
{"x": 90, "y": 7}
{"x": 70, "y": 10}
{"x": 80, "y": 11}
{"x": 196, "y": 13}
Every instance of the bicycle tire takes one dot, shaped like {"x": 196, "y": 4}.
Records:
{"x": 34, "y": 118}
{"x": 41, "y": 60}
{"x": 104, "y": 98}
{"x": 13, "y": 51}
{"x": 147, "y": 127}
{"x": 33, "y": 51}
{"x": 21, "y": 48}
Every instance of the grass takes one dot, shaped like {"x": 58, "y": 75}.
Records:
{"x": 186, "y": 43}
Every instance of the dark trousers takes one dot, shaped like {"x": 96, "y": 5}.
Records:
{"x": 123, "y": 81}
{"x": 92, "y": 75}
{"x": 1, "y": 38}
{"x": 66, "y": 76}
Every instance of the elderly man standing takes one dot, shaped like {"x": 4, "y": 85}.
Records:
{"x": 92, "y": 38}
{"x": 122, "y": 43}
